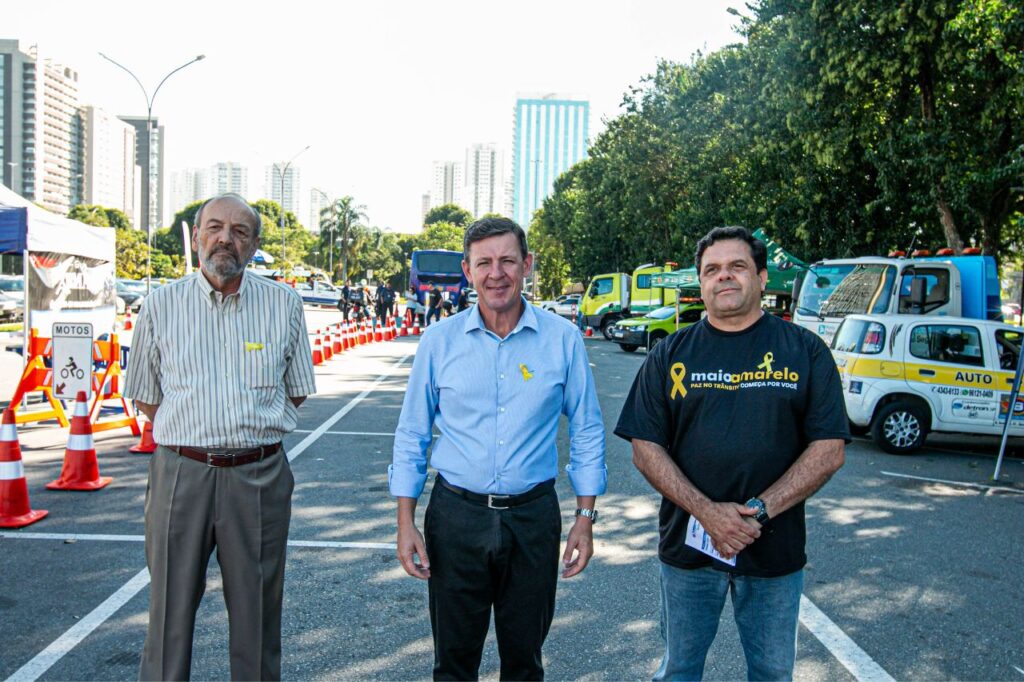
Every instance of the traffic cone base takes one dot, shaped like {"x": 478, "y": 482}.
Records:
{"x": 15, "y": 511}
{"x": 81, "y": 470}
{"x": 146, "y": 444}
{"x": 589, "y": 332}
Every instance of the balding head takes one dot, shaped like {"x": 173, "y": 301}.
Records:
{"x": 257, "y": 220}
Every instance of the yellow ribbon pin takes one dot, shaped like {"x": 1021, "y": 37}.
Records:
{"x": 527, "y": 375}
{"x": 678, "y": 371}
{"x": 769, "y": 358}
{"x": 252, "y": 345}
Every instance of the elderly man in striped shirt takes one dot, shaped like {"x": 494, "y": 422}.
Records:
{"x": 220, "y": 363}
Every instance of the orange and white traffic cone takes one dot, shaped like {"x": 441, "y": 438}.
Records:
{"x": 15, "y": 510}
{"x": 589, "y": 332}
{"x": 387, "y": 332}
{"x": 328, "y": 347}
{"x": 416, "y": 326}
{"x": 318, "y": 351}
{"x": 404, "y": 330}
{"x": 362, "y": 334}
{"x": 338, "y": 347}
{"x": 395, "y": 327}
{"x": 377, "y": 335}
{"x": 81, "y": 469}
{"x": 146, "y": 446}
{"x": 127, "y": 320}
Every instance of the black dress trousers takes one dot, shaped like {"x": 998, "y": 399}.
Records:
{"x": 482, "y": 557}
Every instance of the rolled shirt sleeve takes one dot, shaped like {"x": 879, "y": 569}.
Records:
{"x": 407, "y": 474}
{"x": 586, "y": 469}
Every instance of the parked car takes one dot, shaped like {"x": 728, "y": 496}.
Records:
{"x": 905, "y": 376}
{"x": 315, "y": 292}
{"x": 11, "y": 309}
{"x": 132, "y": 293}
{"x": 650, "y": 329}
{"x": 13, "y": 286}
{"x": 563, "y": 305}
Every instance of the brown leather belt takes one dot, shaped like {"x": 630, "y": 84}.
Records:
{"x": 226, "y": 459}
{"x": 499, "y": 501}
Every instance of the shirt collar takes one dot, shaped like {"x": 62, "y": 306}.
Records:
{"x": 211, "y": 295}
{"x": 527, "y": 320}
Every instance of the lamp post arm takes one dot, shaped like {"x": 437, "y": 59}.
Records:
{"x": 197, "y": 59}
{"x": 149, "y": 102}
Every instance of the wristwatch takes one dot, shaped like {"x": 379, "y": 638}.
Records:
{"x": 589, "y": 513}
{"x": 762, "y": 514}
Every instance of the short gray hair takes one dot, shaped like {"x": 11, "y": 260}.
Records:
{"x": 240, "y": 199}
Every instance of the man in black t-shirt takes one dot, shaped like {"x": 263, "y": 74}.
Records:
{"x": 735, "y": 420}
{"x": 343, "y": 299}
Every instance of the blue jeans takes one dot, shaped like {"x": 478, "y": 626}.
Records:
{"x": 766, "y": 609}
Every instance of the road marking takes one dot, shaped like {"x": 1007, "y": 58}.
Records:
{"x": 846, "y": 651}
{"x": 1018, "y": 670}
{"x": 993, "y": 488}
{"x": 46, "y": 658}
{"x": 42, "y": 661}
{"x": 87, "y": 537}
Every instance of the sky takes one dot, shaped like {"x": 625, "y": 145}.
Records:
{"x": 378, "y": 90}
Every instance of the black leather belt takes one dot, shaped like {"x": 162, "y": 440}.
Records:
{"x": 499, "y": 501}
{"x": 226, "y": 459}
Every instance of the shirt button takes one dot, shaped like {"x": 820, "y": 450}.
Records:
{"x": 501, "y": 376}
{"x": 501, "y": 442}
{"x": 501, "y": 409}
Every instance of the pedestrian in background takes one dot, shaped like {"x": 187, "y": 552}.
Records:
{"x": 343, "y": 299}
{"x": 433, "y": 305}
{"x": 735, "y": 420}
{"x": 220, "y": 364}
{"x": 493, "y": 524}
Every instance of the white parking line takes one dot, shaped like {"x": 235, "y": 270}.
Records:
{"x": 87, "y": 537}
{"x": 966, "y": 484}
{"x": 1018, "y": 670}
{"x": 846, "y": 651}
{"x": 46, "y": 658}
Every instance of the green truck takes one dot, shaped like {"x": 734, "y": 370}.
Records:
{"x": 650, "y": 329}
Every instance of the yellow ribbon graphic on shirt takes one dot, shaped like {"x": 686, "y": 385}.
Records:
{"x": 527, "y": 375}
{"x": 677, "y": 372}
{"x": 252, "y": 345}
{"x": 769, "y": 358}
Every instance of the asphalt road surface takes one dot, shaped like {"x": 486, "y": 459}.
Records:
{"x": 915, "y": 565}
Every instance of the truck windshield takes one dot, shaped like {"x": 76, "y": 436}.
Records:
{"x": 844, "y": 289}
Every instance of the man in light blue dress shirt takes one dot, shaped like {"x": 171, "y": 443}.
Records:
{"x": 494, "y": 380}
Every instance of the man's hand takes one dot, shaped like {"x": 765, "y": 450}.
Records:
{"x": 580, "y": 541}
{"x": 729, "y": 526}
{"x": 410, "y": 546}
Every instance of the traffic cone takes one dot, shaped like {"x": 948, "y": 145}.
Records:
{"x": 416, "y": 326}
{"x": 127, "y": 320}
{"x": 589, "y": 332}
{"x": 395, "y": 327}
{"x": 387, "y": 332}
{"x": 328, "y": 348}
{"x": 338, "y": 346}
{"x": 362, "y": 333}
{"x": 147, "y": 445}
{"x": 81, "y": 470}
{"x": 377, "y": 335}
{"x": 15, "y": 511}
{"x": 404, "y": 331}
{"x": 318, "y": 352}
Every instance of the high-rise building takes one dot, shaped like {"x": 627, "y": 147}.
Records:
{"x": 448, "y": 183}
{"x": 228, "y": 176}
{"x": 149, "y": 155}
{"x": 318, "y": 201}
{"x": 40, "y": 128}
{"x": 484, "y": 190}
{"x": 551, "y": 133}
{"x": 108, "y": 162}
{"x": 291, "y": 186}
{"x": 188, "y": 186}
{"x": 424, "y": 207}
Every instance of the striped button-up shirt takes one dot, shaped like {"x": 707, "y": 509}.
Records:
{"x": 221, "y": 368}
{"x": 496, "y": 403}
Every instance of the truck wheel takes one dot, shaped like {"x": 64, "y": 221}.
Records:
{"x": 606, "y": 325}
{"x": 899, "y": 428}
{"x": 628, "y": 347}
{"x": 654, "y": 339}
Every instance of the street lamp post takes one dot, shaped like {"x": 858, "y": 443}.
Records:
{"x": 149, "y": 161}
{"x": 280, "y": 220}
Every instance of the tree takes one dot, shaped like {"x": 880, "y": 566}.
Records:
{"x": 448, "y": 213}
{"x": 337, "y": 226}
{"x": 550, "y": 265}
{"x": 440, "y": 235}
{"x": 90, "y": 214}
{"x": 173, "y": 243}
{"x": 299, "y": 242}
{"x": 130, "y": 259}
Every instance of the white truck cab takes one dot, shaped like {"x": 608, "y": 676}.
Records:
{"x": 904, "y": 376}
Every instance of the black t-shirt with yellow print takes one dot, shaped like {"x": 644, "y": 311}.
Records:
{"x": 735, "y": 410}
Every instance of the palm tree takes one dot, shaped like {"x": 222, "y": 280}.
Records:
{"x": 343, "y": 215}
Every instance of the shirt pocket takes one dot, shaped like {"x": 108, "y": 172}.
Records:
{"x": 260, "y": 366}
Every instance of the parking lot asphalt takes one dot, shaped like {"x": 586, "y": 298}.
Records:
{"x": 914, "y": 565}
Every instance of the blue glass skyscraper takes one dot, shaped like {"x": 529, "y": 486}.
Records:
{"x": 550, "y": 136}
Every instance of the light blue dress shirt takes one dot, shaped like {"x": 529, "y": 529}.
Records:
{"x": 496, "y": 404}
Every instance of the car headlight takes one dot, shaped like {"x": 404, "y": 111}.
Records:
{"x": 640, "y": 327}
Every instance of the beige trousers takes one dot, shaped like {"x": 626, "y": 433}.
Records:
{"x": 244, "y": 512}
